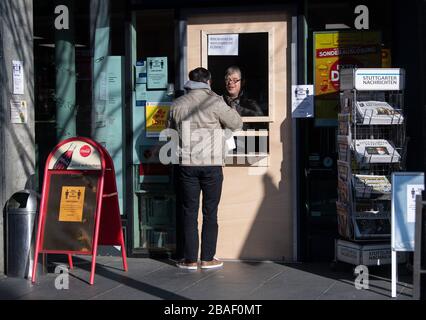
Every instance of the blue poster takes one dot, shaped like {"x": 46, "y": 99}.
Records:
{"x": 405, "y": 187}
{"x": 157, "y": 72}
{"x": 108, "y": 115}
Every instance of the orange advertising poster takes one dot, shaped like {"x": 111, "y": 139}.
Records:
{"x": 156, "y": 117}
{"x": 336, "y": 50}
{"x": 72, "y": 203}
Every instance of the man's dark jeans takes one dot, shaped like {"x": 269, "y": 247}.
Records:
{"x": 193, "y": 180}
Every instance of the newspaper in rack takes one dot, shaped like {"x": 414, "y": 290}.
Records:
{"x": 343, "y": 147}
{"x": 367, "y": 208}
{"x": 344, "y": 124}
{"x": 375, "y": 151}
{"x": 343, "y": 171}
{"x": 343, "y": 219}
{"x": 372, "y": 228}
{"x": 366, "y": 185}
{"x": 343, "y": 191}
{"x": 377, "y": 112}
{"x": 343, "y": 151}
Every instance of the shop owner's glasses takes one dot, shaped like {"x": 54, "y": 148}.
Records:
{"x": 234, "y": 81}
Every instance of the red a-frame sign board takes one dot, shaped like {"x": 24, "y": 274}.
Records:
{"x": 79, "y": 207}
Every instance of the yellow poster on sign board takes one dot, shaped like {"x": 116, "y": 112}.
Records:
{"x": 72, "y": 203}
{"x": 336, "y": 50}
{"x": 156, "y": 117}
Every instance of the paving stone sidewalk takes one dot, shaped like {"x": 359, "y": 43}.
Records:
{"x": 151, "y": 279}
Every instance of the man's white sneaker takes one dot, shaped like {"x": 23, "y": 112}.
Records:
{"x": 187, "y": 265}
{"x": 215, "y": 263}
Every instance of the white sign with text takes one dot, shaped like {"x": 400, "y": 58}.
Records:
{"x": 379, "y": 79}
{"x": 302, "y": 101}
{"x": 18, "y": 77}
{"x": 223, "y": 45}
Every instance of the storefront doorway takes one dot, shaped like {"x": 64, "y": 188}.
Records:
{"x": 255, "y": 213}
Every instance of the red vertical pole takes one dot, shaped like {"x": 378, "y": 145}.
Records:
{"x": 97, "y": 225}
{"x": 111, "y": 179}
{"x": 40, "y": 221}
{"x": 93, "y": 266}
{"x": 70, "y": 261}
{"x": 123, "y": 249}
{"x": 36, "y": 253}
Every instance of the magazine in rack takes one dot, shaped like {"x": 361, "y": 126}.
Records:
{"x": 343, "y": 148}
{"x": 371, "y": 126}
{"x": 343, "y": 151}
{"x": 343, "y": 171}
{"x": 371, "y": 220}
{"x": 375, "y": 151}
{"x": 343, "y": 218}
{"x": 370, "y": 142}
{"x": 368, "y": 185}
{"x": 344, "y": 124}
{"x": 367, "y": 228}
{"x": 377, "y": 112}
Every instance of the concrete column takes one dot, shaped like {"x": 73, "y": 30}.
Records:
{"x": 17, "y": 153}
{"x": 99, "y": 27}
{"x": 100, "y": 48}
{"x": 65, "y": 77}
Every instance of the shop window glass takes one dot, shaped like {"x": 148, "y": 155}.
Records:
{"x": 249, "y": 53}
{"x": 239, "y": 63}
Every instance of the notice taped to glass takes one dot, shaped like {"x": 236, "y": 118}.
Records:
{"x": 18, "y": 111}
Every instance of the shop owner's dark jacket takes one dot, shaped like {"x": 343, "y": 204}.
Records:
{"x": 246, "y": 107}
{"x": 202, "y": 109}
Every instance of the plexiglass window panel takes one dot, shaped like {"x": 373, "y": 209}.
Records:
{"x": 251, "y": 56}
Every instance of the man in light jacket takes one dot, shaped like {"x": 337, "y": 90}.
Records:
{"x": 200, "y": 117}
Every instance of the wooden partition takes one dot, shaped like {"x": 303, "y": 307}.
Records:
{"x": 255, "y": 212}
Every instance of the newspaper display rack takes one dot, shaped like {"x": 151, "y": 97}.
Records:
{"x": 371, "y": 146}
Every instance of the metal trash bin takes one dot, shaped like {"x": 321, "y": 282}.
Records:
{"x": 21, "y": 220}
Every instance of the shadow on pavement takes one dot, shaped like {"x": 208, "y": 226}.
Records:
{"x": 105, "y": 271}
{"x": 344, "y": 273}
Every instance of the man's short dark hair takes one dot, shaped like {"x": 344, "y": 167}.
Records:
{"x": 200, "y": 75}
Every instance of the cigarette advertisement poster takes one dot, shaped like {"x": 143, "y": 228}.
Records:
{"x": 333, "y": 51}
{"x": 156, "y": 117}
